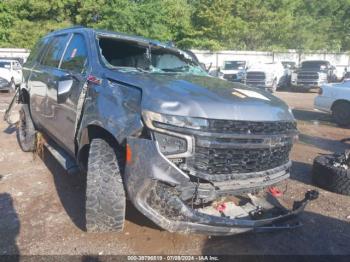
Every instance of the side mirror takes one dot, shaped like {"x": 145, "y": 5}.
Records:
{"x": 63, "y": 89}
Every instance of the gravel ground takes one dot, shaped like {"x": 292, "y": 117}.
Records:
{"x": 41, "y": 207}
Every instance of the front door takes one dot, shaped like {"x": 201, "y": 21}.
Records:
{"x": 42, "y": 81}
{"x": 73, "y": 67}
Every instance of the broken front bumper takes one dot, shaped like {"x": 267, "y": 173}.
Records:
{"x": 166, "y": 195}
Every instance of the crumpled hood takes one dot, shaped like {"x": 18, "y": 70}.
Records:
{"x": 206, "y": 97}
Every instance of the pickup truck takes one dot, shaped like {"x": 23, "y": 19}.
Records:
{"x": 141, "y": 120}
{"x": 313, "y": 74}
{"x": 233, "y": 70}
{"x": 335, "y": 99}
{"x": 269, "y": 76}
{"x": 10, "y": 74}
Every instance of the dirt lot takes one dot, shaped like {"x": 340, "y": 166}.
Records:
{"x": 41, "y": 207}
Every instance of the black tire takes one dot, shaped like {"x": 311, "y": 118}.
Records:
{"x": 26, "y": 133}
{"x": 329, "y": 177}
{"x": 341, "y": 113}
{"x": 105, "y": 194}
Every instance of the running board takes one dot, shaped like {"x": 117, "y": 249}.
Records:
{"x": 65, "y": 160}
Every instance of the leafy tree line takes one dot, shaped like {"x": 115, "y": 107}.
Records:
{"x": 202, "y": 24}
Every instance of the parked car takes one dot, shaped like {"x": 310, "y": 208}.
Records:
{"x": 266, "y": 75}
{"x": 145, "y": 122}
{"x": 313, "y": 74}
{"x": 233, "y": 70}
{"x": 335, "y": 99}
{"x": 5, "y": 85}
{"x": 10, "y": 74}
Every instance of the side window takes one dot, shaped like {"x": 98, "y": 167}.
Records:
{"x": 75, "y": 57}
{"x": 36, "y": 51}
{"x": 54, "y": 51}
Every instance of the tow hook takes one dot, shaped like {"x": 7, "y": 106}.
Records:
{"x": 310, "y": 195}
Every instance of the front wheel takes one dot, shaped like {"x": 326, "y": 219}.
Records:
{"x": 105, "y": 194}
{"x": 341, "y": 113}
{"x": 26, "y": 132}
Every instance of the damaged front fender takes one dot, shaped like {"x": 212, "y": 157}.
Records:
{"x": 113, "y": 107}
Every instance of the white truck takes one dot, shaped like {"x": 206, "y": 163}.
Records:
{"x": 233, "y": 70}
{"x": 10, "y": 74}
{"x": 335, "y": 99}
{"x": 266, "y": 75}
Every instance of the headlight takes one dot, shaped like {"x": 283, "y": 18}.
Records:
{"x": 153, "y": 119}
{"x": 170, "y": 142}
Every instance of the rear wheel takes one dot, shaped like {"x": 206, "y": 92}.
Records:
{"x": 105, "y": 194}
{"x": 341, "y": 113}
{"x": 26, "y": 132}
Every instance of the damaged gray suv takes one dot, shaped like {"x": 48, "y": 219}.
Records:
{"x": 144, "y": 122}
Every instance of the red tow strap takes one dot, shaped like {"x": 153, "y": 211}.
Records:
{"x": 274, "y": 191}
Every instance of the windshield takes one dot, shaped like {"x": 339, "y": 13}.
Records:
{"x": 290, "y": 64}
{"x": 131, "y": 55}
{"x": 313, "y": 64}
{"x": 4, "y": 64}
{"x": 234, "y": 65}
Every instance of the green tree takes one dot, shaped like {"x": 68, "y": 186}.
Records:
{"x": 207, "y": 24}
